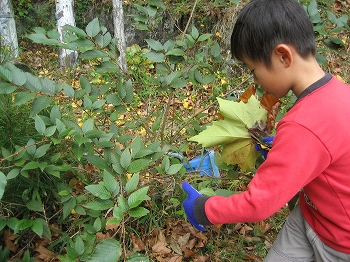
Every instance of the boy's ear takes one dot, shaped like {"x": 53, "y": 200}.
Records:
{"x": 284, "y": 54}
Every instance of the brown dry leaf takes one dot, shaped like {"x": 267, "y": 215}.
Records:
{"x": 175, "y": 258}
{"x": 100, "y": 235}
{"x": 137, "y": 243}
{"x": 201, "y": 259}
{"x": 8, "y": 238}
{"x": 264, "y": 226}
{"x": 250, "y": 91}
{"x": 271, "y": 104}
{"x": 183, "y": 240}
{"x": 253, "y": 257}
{"x": 189, "y": 253}
{"x": 112, "y": 227}
{"x": 161, "y": 245}
{"x": 45, "y": 254}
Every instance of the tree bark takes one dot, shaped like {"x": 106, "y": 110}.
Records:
{"x": 118, "y": 21}
{"x": 8, "y": 33}
{"x": 65, "y": 16}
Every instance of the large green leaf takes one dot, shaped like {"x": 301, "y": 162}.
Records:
{"x": 93, "y": 28}
{"x": 99, "y": 190}
{"x": 3, "y": 182}
{"x": 109, "y": 250}
{"x": 39, "y": 104}
{"x": 232, "y": 131}
{"x": 138, "y": 196}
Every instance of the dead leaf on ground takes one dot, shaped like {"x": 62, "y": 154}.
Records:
{"x": 8, "y": 238}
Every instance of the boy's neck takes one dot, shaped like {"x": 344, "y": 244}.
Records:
{"x": 306, "y": 73}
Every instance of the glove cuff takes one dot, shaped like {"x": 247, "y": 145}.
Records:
{"x": 199, "y": 210}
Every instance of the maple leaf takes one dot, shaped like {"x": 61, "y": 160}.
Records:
{"x": 232, "y": 132}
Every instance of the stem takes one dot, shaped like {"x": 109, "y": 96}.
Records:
{"x": 164, "y": 117}
{"x": 189, "y": 19}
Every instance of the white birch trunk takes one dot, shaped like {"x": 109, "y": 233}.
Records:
{"x": 8, "y": 33}
{"x": 65, "y": 16}
{"x": 118, "y": 21}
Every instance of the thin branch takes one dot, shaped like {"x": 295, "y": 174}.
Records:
{"x": 189, "y": 19}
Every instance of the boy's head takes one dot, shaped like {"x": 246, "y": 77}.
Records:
{"x": 263, "y": 24}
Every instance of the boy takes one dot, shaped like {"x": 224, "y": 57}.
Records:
{"x": 310, "y": 153}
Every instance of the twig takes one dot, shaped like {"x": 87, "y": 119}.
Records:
{"x": 189, "y": 19}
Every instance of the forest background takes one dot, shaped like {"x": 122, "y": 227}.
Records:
{"x": 92, "y": 158}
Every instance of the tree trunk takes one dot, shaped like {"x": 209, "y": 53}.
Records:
{"x": 118, "y": 21}
{"x": 8, "y": 33}
{"x": 65, "y": 16}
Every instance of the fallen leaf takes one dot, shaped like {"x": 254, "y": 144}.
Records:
{"x": 137, "y": 243}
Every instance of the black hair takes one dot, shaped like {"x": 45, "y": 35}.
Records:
{"x": 263, "y": 24}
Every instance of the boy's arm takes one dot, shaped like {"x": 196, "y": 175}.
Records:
{"x": 297, "y": 157}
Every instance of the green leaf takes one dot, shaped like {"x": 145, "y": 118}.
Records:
{"x": 41, "y": 151}
{"x": 113, "y": 99}
{"x": 5, "y": 74}
{"x": 215, "y": 50}
{"x": 232, "y": 132}
{"x": 103, "y": 40}
{"x": 85, "y": 84}
{"x": 155, "y": 57}
{"x": 132, "y": 183}
{"x": 111, "y": 183}
{"x": 138, "y": 212}
{"x": 2, "y": 223}
{"x": 34, "y": 205}
{"x": 68, "y": 206}
{"x": 123, "y": 204}
{"x": 22, "y": 225}
{"x": 22, "y": 98}
{"x": 204, "y": 37}
{"x": 31, "y": 165}
{"x": 88, "y": 125}
{"x": 98, "y": 224}
{"x": 75, "y": 30}
{"x": 194, "y": 33}
{"x": 37, "y": 227}
{"x": 92, "y": 54}
{"x": 7, "y": 88}
{"x": 39, "y": 124}
{"x": 137, "y": 197}
{"x": 138, "y": 165}
{"x": 97, "y": 161}
{"x": 79, "y": 245}
{"x": 108, "y": 250}
{"x": 99, "y": 204}
{"x": 125, "y": 158}
{"x": 93, "y": 28}
{"x": 176, "y": 52}
{"x": 173, "y": 169}
{"x": 118, "y": 214}
{"x": 13, "y": 173}
{"x": 154, "y": 44}
{"x": 68, "y": 90}
{"x": 3, "y": 182}
{"x": 39, "y": 104}
{"x": 99, "y": 190}
{"x": 18, "y": 76}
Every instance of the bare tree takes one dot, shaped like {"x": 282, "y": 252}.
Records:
{"x": 65, "y": 16}
{"x": 8, "y": 33}
{"x": 118, "y": 21}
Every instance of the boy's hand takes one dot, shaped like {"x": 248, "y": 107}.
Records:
{"x": 265, "y": 147}
{"x": 192, "y": 194}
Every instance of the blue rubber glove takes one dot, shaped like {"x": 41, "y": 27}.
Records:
{"x": 192, "y": 194}
{"x": 265, "y": 147}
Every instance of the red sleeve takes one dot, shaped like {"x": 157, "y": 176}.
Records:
{"x": 297, "y": 156}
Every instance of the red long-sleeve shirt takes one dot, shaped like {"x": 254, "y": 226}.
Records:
{"x": 310, "y": 154}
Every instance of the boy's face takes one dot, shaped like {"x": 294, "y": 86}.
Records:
{"x": 271, "y": 79}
